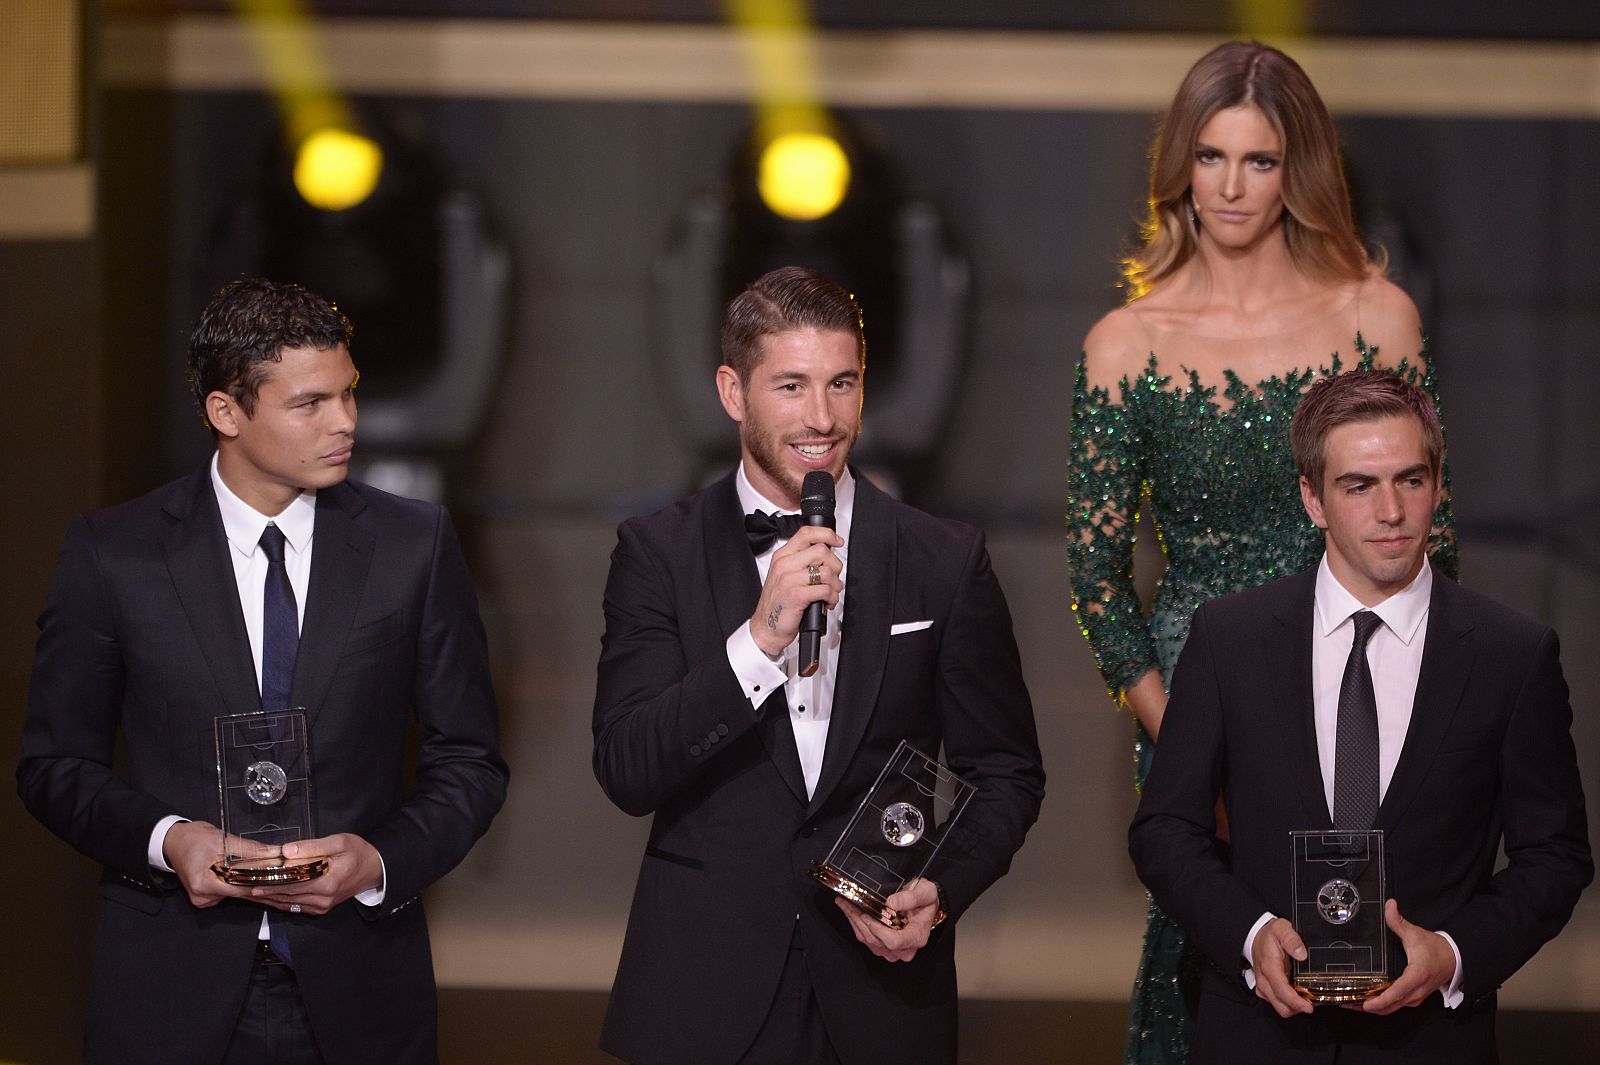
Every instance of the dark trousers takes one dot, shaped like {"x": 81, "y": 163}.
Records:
{"x": 793, "y": 1033}
{"x": 273, "y": 1028}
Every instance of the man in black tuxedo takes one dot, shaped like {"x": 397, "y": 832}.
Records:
{"x": 733, "y": 952}
{"x": 262, "y": 581}
{"x": 1448, "y": 730}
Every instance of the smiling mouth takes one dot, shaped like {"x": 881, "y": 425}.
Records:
{"x": 815, "y": 451}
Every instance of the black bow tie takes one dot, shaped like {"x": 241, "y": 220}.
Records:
{"x": 764, "y": 529}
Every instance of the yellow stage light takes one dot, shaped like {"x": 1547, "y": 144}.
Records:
{"x": 803, "y": 176}
{"x": 335, "y": 169}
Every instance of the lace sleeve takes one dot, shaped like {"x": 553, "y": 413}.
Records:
{"x": 1442, "y": 550}
{"x": 1105, "y": 476}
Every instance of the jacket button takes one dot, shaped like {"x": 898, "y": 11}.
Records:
{"x": 722, "y": 730}
{"x": 694, "y": 749}
{"x": 712, "y": 737}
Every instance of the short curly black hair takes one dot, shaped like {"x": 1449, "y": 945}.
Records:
{"x": 250, "y": 323}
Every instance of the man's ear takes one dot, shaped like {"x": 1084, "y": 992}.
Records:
{"x": 223, "y": 413}
{"x": 1313, "y": 504}
{"x": 731, "y": 392}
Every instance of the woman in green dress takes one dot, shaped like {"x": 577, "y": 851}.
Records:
{"x": 1250, "y": 283}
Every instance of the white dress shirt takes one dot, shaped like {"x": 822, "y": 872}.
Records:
{"x": 243, "y": 525}
{"x": 1394, "y": 655}
{"x": 810, "y": 698}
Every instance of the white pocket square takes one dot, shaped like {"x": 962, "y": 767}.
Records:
{"x": 910, "y": 626}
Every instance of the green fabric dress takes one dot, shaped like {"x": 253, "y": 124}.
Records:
{"x": 1221, "y": 482}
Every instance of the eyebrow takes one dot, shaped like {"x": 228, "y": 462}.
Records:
{"x": 1202, "y": 146}
{"x": 796, "y": 375}
{"x": 301, "y": 397}
{"x": 1357, "y": 477}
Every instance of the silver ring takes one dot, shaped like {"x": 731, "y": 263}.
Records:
{"x": 814, "y": 573}
{"x": 294, "y": 907}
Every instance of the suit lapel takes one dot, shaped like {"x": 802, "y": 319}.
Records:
{"x": 341, "y": 557}
{"x": 197, "y": 560}
{"x": 864, "y": 647}
{"x": 1446, "y": 666}
{"x": 1289, "y": 668}
{"x": 735, "y": 587}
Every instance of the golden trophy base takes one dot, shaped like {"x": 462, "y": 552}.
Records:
{"x": 1340, "y": 989}
{"x": 869, "y": 901}
{"x": 260, "y": 872}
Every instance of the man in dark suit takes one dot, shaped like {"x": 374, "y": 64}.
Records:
{"x": 265, "y": 580}
{"x": 733, "y": 952}
{"x": 1448, "y": 730}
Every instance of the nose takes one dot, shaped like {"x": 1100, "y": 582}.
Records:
{"x": 1391, "y": 509}
{"x": 1233, "y": 182}
{"x": 819, "y": 413}
{"x": 344, "y": 419}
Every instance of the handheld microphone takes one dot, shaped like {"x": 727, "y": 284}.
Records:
{"x": 816, "y": 508}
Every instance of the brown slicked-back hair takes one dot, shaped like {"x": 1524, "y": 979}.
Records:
{"x": 1358, "y": 396}
{"x": 782, "y": 301}
{"x": 1317, "y": 221}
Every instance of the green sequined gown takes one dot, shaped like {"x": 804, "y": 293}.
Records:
{"x": 1225, "y": 497}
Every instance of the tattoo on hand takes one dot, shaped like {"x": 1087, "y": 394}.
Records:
{"x": 772, "y": 618}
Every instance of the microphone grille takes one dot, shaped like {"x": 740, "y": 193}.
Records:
{"x": 816, "y": 493}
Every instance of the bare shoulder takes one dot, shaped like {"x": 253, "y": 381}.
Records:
{"x": 1389, "y": 322}
{"x": 1116, "y": 348}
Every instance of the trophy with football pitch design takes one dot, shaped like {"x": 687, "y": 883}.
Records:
{"x": 264, "y": 780}
{"x": 1339, "y": 895}
{"x": 895, "y": 833}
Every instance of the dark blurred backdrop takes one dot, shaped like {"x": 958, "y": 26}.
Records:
{"x": 137, "y": 147}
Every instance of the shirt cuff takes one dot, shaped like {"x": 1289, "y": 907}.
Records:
{"x": 1249, "y": 945}
{"x": 155, "y": 850}
{"x": 1452, "y": 991}
{"x": 374, "y": 896}
{"x": 757, "y": 674}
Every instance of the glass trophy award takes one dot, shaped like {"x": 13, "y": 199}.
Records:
{"x": 895, "y": 832}
{"x": 264, "y": 779}
{"x": 1338, "y": 912}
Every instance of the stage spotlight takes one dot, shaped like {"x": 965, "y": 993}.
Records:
{"x": 803, "y": 176}
{"x": 885, "y": 244}
{"x": 413, "y": 259}
{"x": 335, "y": 169}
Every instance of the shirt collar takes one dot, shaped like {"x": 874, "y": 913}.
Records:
{"x": 1402, "y": 613}
{"x": 844, "y": 499}
{"x": 243, "y": 524}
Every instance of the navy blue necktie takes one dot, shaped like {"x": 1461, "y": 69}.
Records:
{"x": 280, "y": 642}
{"x": 1355, "y": 752}
{"x": 280, "y": 627}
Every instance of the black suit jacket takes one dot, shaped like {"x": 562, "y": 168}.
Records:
{"x": 1488, "y": 760}
{"x": 733, "y": 837}
{"x": 142, "y": 635}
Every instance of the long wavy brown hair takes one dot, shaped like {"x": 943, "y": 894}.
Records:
{"x": 1318, "y": 225}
